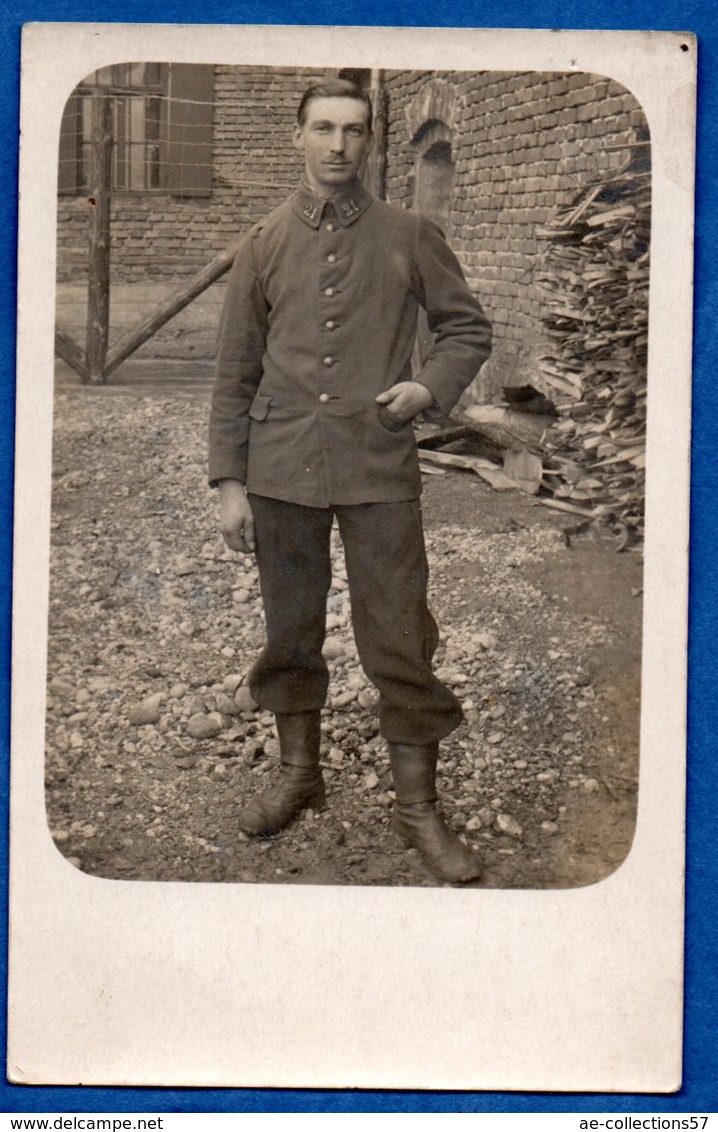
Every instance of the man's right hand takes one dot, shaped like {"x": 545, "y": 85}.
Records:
{"x": 236, "y": 520}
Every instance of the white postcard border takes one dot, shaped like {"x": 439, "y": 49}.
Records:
{"x": 122, "y": 982}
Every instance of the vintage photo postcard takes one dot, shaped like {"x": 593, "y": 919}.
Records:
{"x": 349, "y": 648}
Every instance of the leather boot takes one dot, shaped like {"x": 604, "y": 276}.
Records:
{"x": 416, "y": 822}
{"x": 300, "y": 782}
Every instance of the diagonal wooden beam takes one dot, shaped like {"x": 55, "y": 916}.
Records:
{"x": 67, "y": 349}
{"x": 167, "y": 309}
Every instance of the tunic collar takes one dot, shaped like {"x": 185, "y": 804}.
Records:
{"x": 348, "y": 205}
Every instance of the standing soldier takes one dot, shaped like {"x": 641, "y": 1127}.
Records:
{"x": 311, "y": 420}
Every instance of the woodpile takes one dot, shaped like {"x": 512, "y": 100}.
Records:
{"x": 594, "y": 277}
{"x": 580, "y": 439}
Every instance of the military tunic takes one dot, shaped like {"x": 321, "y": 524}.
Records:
{"x": 319, "y": 318}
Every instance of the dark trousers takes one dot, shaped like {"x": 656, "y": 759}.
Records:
{"x": 395, "y": 634}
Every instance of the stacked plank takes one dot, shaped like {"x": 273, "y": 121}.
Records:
{"x": 594, "y": 282}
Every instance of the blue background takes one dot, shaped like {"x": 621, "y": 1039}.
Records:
{"x": 700, "y": 1088}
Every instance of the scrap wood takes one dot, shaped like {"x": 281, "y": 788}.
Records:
{"x": 525, "y": 469}
{"x": 610, "y": 216}
{"x": 497, "y": 479}
{"x": 508, "y": 428}
{"x": 572, "y": 509}
{"x": 437, "y": 437}
{"x": 453, "y": 460}
{"x": 484, "y": 468}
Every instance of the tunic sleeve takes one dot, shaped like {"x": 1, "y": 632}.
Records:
{"x": 462, "y": 332}
{"x": 240, "y": 351}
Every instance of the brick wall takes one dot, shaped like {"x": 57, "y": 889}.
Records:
{"x": 158, "y": 239}
{"x": 522, "y": 145}
{"x": 158, "y": 236}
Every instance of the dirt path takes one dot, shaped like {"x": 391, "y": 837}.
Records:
{"x": 152, "y": 619}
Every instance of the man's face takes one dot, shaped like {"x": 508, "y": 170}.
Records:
{"x": 334, "y": 140}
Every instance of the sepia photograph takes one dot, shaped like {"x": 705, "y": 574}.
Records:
{"x": 351, "y": 568}
{"x": 450, "y": 265}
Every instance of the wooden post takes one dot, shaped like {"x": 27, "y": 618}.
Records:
{"x": 376, "y": 162}
{"x": 98, "y": 295}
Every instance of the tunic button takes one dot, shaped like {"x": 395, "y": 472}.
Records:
{"x": 329, "y": 291}
{"x": 330, "y": 227}
{"x": 330, "y": 324}
{"x": 328, "y": 361}
{"x": 331, "y": 258}
{"x": 323, "y": 397}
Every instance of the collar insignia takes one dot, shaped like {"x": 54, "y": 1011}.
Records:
{"x": 347, "y": 206}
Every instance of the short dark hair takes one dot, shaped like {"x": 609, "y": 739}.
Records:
{"x": 334, "y": 88}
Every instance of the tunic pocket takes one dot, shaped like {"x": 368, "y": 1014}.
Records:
{"x": 391, "y": 423}
{"x": 259, "y": 409}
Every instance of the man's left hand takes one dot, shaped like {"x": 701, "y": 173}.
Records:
{"x": 406, "y": 399}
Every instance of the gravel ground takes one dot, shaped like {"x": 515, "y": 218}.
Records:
{"x": 153, "y": 741}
